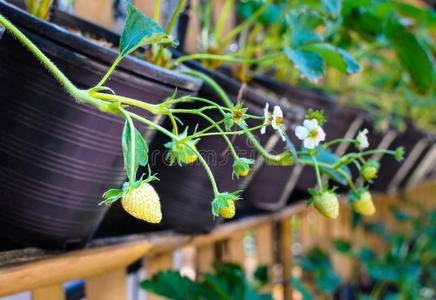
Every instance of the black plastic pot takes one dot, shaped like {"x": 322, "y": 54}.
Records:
{"x": 58, "y": 156}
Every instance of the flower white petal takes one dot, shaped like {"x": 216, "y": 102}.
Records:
{"x": 309, "y": 143}
{"x": 301, "y": 132}
{"x": 277, "y": 112}
{"x": 310, "y": 124}
{"x": 282, "y": 134}
{"x": 362, "y": 139}
{"x": 321, "y": 134}
{"x": 263, "y": 130}
{"x": 265, "y": 111}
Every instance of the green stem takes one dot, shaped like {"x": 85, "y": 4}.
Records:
{"x": 174, "y": 123}
{"x": 281, "y": 159}
{"x": 154, "y": 125}
{"x": 81, "y": 95}
{"x": 43, "y": 9}
{"x": 318, "y": 175}
{"x": 156, "y": 19}
{"x": 170, "y": 28}
{"x": 222, "y": 58}
{"x": 132, "y": 146}
{"x": 243, "y": 25}
{"x": 109, "y": 72}
{"x": 326, "y": 145}
{"x": 222, "y": 19}
{"x": 206, "y": 166}
{"x": 31, "y": 6}
{"x": 234, "y": 132}
{"x": 116, "y": 98}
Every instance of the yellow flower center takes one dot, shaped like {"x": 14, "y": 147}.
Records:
{"x": 279, "y": 121}
{"x": 237, "y": 115}
{"x": 313, "y": 133}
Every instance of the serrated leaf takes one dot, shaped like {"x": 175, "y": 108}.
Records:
{"x": 413, "y": 55}
{"x": 310, "y": 64}
{"x": 140, "y": 30}
{"x": 247, "y": 8}
{"x": 303, "y": 25}
{"x": 141, "y": 149}
{"x": 333, "y": 6}
{"x": 335, "y": 57}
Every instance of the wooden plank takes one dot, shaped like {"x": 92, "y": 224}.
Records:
{"x": 265, "y": 250}
{"x": 70, "y": 266}
{"x": 193, "y": 31}
{"x": 234, "y": 249}
{"x": 51, "y": 292}
{"x": 156, "y": 263}
{"x": 205, "y": 258}
{"x": 110, "y": 285}
{"x": 285, "y": 244}
{"x": 97, "y": 11}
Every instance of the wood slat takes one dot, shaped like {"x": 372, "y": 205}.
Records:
{"x": 51, "y": 292}
{"x": 156, "y": 263}
{"x": 285, "y": 242}
{"x": 265, "y": 250}
{"x": 235, "y": 249}
{"x": 97, "y": 11}
{"x": 70, "y": 266}
{"x": 205, "y": 258}
{"x": 110, "y": 285}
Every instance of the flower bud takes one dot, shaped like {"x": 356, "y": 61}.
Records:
{"x": 369, "y": 170}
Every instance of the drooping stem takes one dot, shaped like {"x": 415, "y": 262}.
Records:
{"x": 328, "y": 144}
{"x": 116, "y": 98}
{"x": 206, "y": 166}
{"x": 222, "y": 58}
{"x": 109, "y": 72}
{"x": 174, "y": 123}
{"x": 318, "y": 175}
{"x": 170, "y": 28}
{"x": 70, "y": 87}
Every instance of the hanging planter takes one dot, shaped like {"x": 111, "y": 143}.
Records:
{"x": 60, "y": 157}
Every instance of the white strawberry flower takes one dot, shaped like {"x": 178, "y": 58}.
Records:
{"x": 362, "y": 139}
{"x": 310, "y": 133}
{"x": 266, "y": 114}
{"x": 276, "y": 120}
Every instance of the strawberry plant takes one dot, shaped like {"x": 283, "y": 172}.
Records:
{"x": 137, "y": 195}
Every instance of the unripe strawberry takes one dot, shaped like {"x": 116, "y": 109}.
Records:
{"x": 143, "y": 203}
{"x": 369, "y": 170}
{"x": 243, "y": 172}
{"x": 327, "y": 204}
{"x": 228, "y": 212}
{"x": 190, "y": 158}
{"x": 364, "y": 206}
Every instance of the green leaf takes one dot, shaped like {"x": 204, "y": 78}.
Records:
{"x": 412, "y": 54}
{"x": 310, "y": 64}
{"x": 342, "y": 246}
{"x": 141, "y": 149}
{"x": 140, "y": 30}
{"x": 172, "y": 285}
{"x": 327, "y": 280}
{"x": 299, "y": 286}
{"x": 335, "y": 57}
{"x": 262, "y": 275}
{"x": 303, "y": 25}
{"x": 333, "y": 6}
{"x": 248, "y": 8}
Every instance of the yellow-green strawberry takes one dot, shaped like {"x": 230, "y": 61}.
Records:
{"x": 369, "y": 170}
{"x": 364, "y": 206}
{"x": 143, "y": 203}
{"x": 228, "y": 212}
{"x": 327, "y": 204}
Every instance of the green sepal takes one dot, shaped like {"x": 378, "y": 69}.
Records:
{"x": 179, "y": 151}
{"x": 241, "y": 164}
{"x": 111, "y": 196}
{"x": 399, "y": 153}
{"x": 220, "y": 201}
